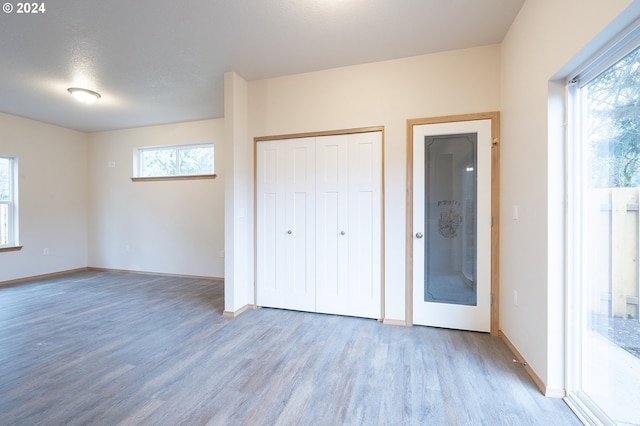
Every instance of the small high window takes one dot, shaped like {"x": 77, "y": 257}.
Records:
{"x": 8, "y": 202}
{"x": 174, "y": 160}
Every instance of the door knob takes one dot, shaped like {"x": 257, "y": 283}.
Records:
{"x": 289, "y": 232}
{"x": 418, "y": 235}
{"x": 342, "y": 232}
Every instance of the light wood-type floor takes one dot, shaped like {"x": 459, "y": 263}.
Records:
{"x": 110, "y": 348}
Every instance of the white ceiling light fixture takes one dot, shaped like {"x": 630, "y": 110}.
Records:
{"x": 85, "y": 96}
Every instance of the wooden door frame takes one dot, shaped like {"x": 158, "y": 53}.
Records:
{"x": 495, "y": 210}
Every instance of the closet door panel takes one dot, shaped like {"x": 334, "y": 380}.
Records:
{"x": 285, "y": 212}
{"x": 365, "y": 224}
{"x": 270, "y": 204}
{"x": 332, "y": 224}
{"x": 300, "y": 218}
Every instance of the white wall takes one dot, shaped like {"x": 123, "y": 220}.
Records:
{"x": 53, "y": 197}
{"x": 174, "y": 227}
{"x": 238, "y": 280}
{"x": 546, "y": 36}
{"x": 380, "y": 94}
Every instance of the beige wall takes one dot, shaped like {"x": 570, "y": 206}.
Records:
{"x": 380, "y": 94}
{"x": 238, "y": 220}
{"x": 53, "y": 197}
{"x": 547, "y": 38}
{"x": 87, "y": 214}
{"x": 172, "y": 227}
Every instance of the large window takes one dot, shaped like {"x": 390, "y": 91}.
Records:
{"x": 604, "y": 238}
{"x": 8, "y": 202}
{"x": 174, "y": 160}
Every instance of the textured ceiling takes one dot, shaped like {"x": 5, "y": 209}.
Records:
{"x": 163, "y": 61}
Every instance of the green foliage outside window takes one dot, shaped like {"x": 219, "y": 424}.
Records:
{"x": 613, "y": 131}
{"x": 176, "y": 160}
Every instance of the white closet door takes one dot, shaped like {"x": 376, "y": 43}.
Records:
{"x": 285, "y": 212}
{"x": 365, "y": 224}
{"x": 332, "y": 224}
{"x": 348, "y": 227}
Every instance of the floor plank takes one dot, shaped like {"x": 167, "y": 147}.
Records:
{"x": 109, "y": 348}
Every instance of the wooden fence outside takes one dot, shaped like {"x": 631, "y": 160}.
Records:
{"x": 612, "y": 251}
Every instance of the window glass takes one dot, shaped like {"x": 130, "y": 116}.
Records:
{"x": 196, "y": 161}
{"x": 5, "y": 184}
{"x": 609, "y": 324}
{"x": 180, "y": 160}
{"x": 612, "y": 102}
{"x": 158, "y": 162}
{"x": 8, "y": 202}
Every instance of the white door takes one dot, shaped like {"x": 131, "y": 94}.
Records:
{"x": 365, "y": 224}
{"x": 332, "y": 224}
{"x": 452, "y": 225}
{"x": 285, "y": 212}
{"x": 348, "y": 224}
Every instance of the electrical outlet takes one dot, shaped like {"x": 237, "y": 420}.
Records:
{"x": 45, "y": 252}
{"x": 515, "y": 297}
{"x": 221, "y": 253}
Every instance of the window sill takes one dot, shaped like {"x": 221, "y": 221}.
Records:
{"x": 12, "y": 248}
{"x": 166, "y": 178}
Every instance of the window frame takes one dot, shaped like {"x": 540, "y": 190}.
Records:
{"x": 177, "y": 148}
{"x": 576, "y": 163}
{"x": 12, "y": 206}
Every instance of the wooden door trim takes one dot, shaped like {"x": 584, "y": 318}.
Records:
{"x": 320, "y": 133}
{"x": 495, "y": 210}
